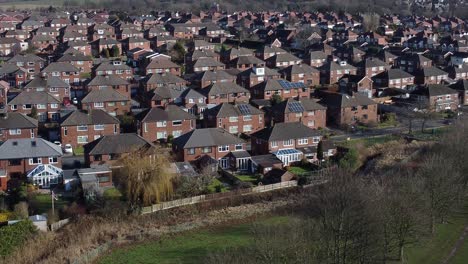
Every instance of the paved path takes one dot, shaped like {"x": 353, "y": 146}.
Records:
{"x": 457, "y": 245}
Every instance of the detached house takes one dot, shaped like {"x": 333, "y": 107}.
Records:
{"x": 306, "y": 111}
{"x": 215, "y": 143}
{"x": 80, "y": 127}
{"x": 289, "y": 142}
{"x": 16, "y": 125}
{"x": 235, "y": 118}
{"x": 157, "y": 124}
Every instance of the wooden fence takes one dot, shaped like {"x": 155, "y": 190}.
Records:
{"x": 214, "y": 196}
{"x": 57, "y": 225}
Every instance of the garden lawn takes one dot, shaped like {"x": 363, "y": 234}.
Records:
{"x": 112, "y": 193}
{"x": 42, "y": 203}
{"x": 247, "y": 178}
{"x": 191, "y": 247}
{"x": 298, "y": 170}
{"x": 214, "y": 183}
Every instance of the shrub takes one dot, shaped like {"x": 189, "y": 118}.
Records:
{"x": 15, "y": 235}
{"x": 21, "y": 210}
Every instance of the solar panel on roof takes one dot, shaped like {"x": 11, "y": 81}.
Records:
{"x": 295, "y": 107}
{"x": 244, "y": 109}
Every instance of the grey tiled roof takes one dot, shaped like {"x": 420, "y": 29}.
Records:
{"x": 17, "y": 120}
{"x": 307, "y": 104}
{"x": 285, "y": 131}
{"x": 171, "y": 113}
{"x": 92, "y": 117}
{"x": 206, "y": 137}
{"x": 227, "y": 110}
{"x": 344, "y": 100}
{"x": 223, "y": 88}
{"x": 40, "y": 82}
{"x": 104, "y": 95}
{"x": 116, "y": 144}
{"x": 60, "y": 67}
{"x": 28, "y": 148}
{"x": 33, "y": 97}
{"x": 108, "y": 80}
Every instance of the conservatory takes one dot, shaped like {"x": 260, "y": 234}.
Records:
{"x": 45, "y": 175}
{"x": 288, "y": 156}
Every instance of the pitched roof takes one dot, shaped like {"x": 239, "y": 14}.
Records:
{"x": 206, "y": 137}
{"x": 164, "y": 78}
{"x": 104, "y": 95}
{"x": 116, "y": 144}
{"x": 17, "y": 120}
{"x": 287, "y": 106}
{"x": 60, "y": 67}
{"x": 108, "y": 80}
{"x": 344, "y": 100}
{"x": 171, "y": 113}
{"x": 299, "y": 69}
{"x": 52, "y": 81}
{"x": 228, "y": 110}
{"x": 33, "y": 97}
{"x": 285, "y": 131}
{"x": 92, "y": 117}
{"x": 28, "y": 148}
{"x": 223, "y": 88}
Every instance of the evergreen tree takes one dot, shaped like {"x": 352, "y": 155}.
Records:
{"x": 115, "y": 51}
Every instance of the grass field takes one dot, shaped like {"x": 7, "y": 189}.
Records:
{"x": 436, "y": 249}
{"x": 190, "y": 247}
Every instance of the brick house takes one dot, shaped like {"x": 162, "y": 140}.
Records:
{"x": 157, "y": 124}
{"x": 303, "y": 73}
{"x": 282, "y": 60}
{"x": 47, "y": 105}
{"x": 63, "y": 70}
{"x": 243, "y": 63}
{"x": 205, "y": 79}
{"x": 371, "y": 67}
{"x": 206, "y": 64}
{"x": 235, "y": 118}
{"x": 115, "y": 67}
{"x": 331, "y": 72}
{"x": 283, "y": 88}
{"x": 218, "y": 93}
{"x": 306, "y": 111}
{"x": 393, "y": 78}
{"x": 15, "y": 76}
{"x": 193, "y": 101}
{"x": 16, "y": 125}
{"x": 232, "y": 53}
{"x": 4, "y": 88}
{"x": 253, "y": 76}
{"x": 161, "y": 65}
{"x": 462, "y": 87}
{"x": 110, "y": 82}
{"x": 53, "y": 85}
{"x": 33, "y": 64}
{"x": 316, "y": 58}
{"x": 79, "y": 60}
{"x": 436, "y": 97}
{"x": 108, "y": 100}
{"x": 289, "y": 142}
{"x": 135, "y": 42}
{"x": 430, "y": 75}
{"x": 356, "y": 84}
{"x": 108, "y": 149}
{"x": 80, "y": 127}
{"x": 99, "y": 45}
{"x": 344, "y": 110}
{"x": 21, "y": 155}
{"x": 212, "y": 142}
{"x": 157, "y": 80}
{"x": 412, "y": 63}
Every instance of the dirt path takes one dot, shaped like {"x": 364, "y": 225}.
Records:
{"x": 457, "y": 245}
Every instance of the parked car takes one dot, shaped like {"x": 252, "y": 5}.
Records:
{"x": 58, "y": 143}
{"x": 68, "y": 148}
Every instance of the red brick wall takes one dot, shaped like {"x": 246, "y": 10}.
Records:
{"x": 257, "y": 122}
{"x": 72, "y": 133}
{"x": 151, "y": 131}
{"x": 182, "y": 155}
{"x": 118, "y": 109}
{"x": 25, "y": 133}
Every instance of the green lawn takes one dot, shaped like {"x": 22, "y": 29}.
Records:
{"x": 42, "y": 203}
{"x": 436, "y": 249}
{"x": 369, "y": 141}
{"x": 247, "y": 178}
{"x": 78, "y": 151}
{"x": 191, "y": 247}
{"x": 461, "y": 257}
{"x": 214, "y": 183}
{"x": 298, "y": 170}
